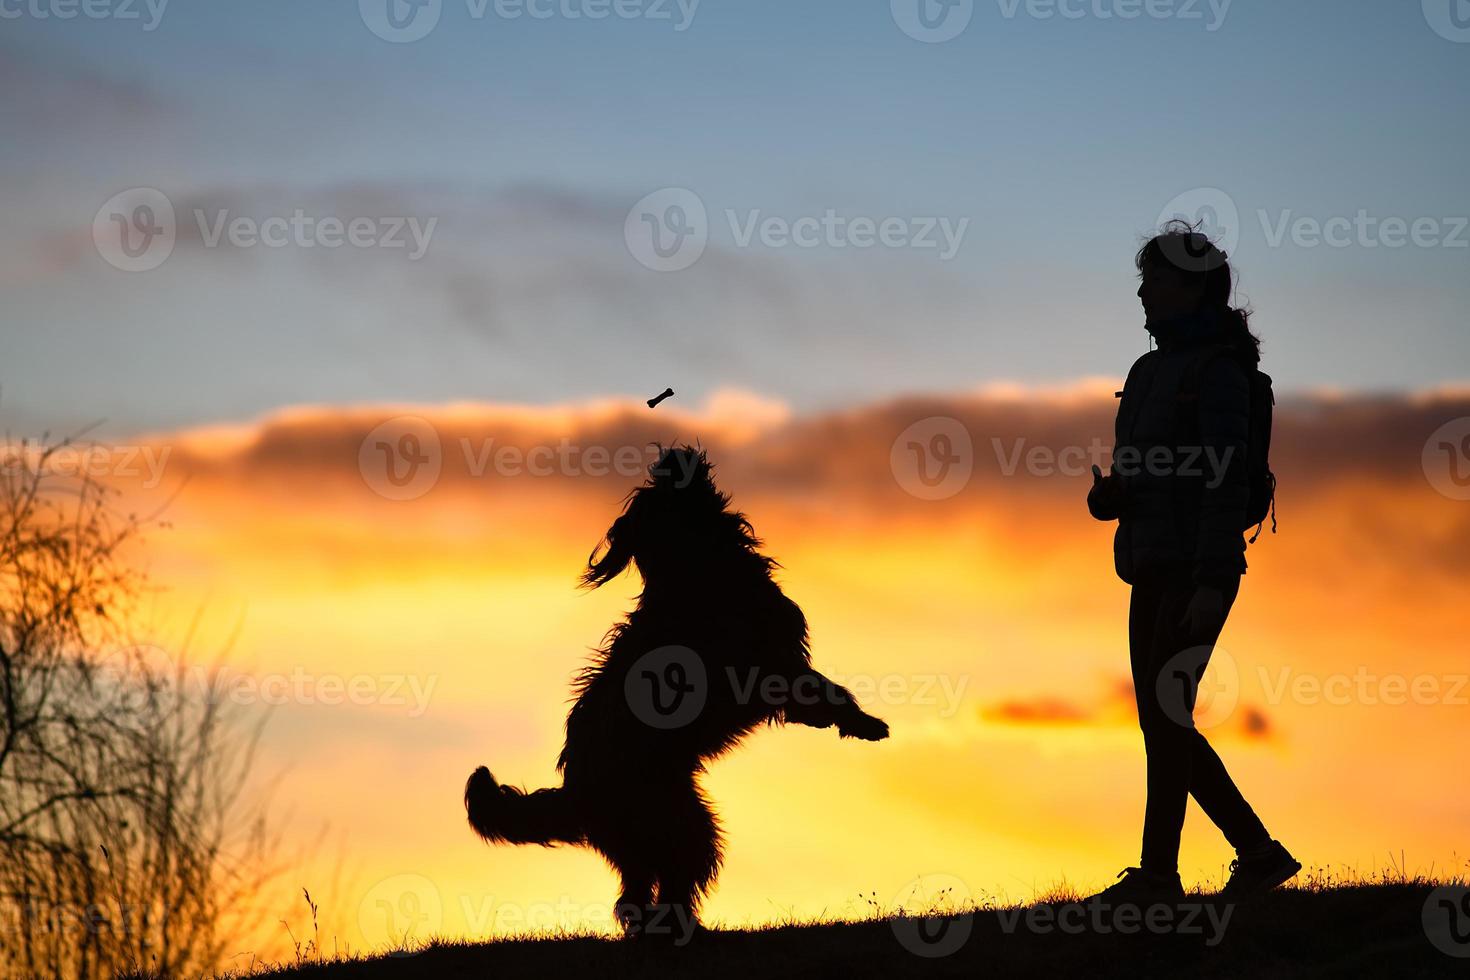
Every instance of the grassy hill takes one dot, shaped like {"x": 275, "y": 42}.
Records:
{"x": 1374, "y": 930}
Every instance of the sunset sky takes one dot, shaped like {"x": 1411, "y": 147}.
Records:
{"x": 237, "y": 387}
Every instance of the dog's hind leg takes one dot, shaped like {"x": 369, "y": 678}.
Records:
{"x": 637, "y": 896}
{"x": 619, "y": 834}
{"x": 688, "y": 864}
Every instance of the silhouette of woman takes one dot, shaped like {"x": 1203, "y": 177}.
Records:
{"x": 1179, "y": 489}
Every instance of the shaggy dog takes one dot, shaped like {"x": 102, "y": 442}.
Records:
{"x": 713, "y": 650}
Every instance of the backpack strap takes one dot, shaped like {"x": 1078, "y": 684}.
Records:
{"x": 1189, "y": 388}
{"x": 1186, "y": 399}
{"x": 1271, "y": 479}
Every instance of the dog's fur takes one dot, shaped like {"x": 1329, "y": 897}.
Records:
{"x": 629, "y": 789}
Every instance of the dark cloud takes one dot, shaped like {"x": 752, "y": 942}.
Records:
{"x": 46, "y": 97}
{"x": 541, "y": 275}
{"x": 1318, "y": 442}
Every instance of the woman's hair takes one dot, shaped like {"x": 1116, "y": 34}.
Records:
{"x": 1194, "y": 257}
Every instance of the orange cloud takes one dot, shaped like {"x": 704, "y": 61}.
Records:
{"x": 1116, "y": 707}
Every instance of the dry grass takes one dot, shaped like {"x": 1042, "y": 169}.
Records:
{"x": 1332, "y": 919}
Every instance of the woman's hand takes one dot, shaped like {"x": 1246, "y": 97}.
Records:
{"x": 1205, "y": 613}
{"x": 1101, "y": 498}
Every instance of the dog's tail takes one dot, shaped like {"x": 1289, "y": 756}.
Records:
{"x": 506, "y": 815}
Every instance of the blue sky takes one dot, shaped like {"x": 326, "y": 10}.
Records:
{"x": 1058, "y": 139}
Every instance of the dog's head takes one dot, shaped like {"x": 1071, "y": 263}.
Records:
{"x": 676, "y": 522}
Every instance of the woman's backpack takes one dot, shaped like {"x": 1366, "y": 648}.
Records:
{"x": 1262, "y": 481}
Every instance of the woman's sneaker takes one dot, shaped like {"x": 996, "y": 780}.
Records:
{"x": 1256, "y": 872}
{"x": 1141, "y": 888}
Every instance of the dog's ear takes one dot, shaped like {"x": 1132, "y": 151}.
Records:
{"x": 618, "y": 552}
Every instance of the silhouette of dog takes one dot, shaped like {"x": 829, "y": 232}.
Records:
{"x": 713, "y": 650}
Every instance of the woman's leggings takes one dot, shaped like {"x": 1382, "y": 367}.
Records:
{"x": 1167, "y": 664}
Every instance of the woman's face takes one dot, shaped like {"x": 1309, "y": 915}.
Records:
{"x": 1165, "y": 293}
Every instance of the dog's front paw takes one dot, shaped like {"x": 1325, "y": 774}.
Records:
{"x": 865, "y": 727}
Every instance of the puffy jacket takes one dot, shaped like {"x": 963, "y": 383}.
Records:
{"x": 1178, "y": 485}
